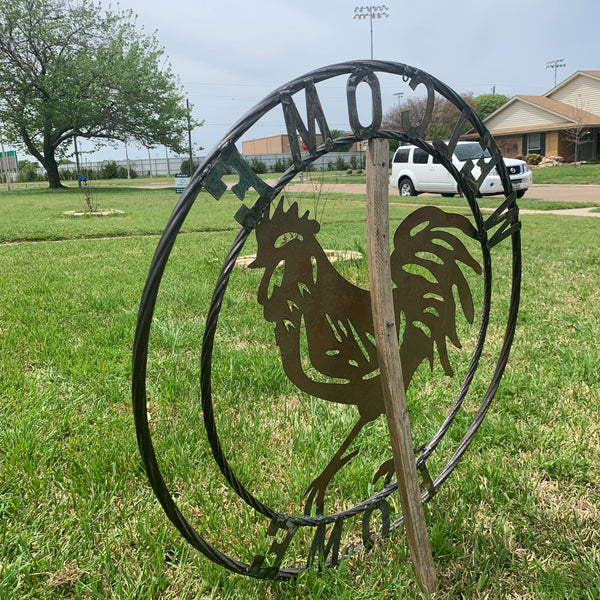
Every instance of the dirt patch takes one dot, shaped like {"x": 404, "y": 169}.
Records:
{"x": 94, "y": 213}
{"x": 243, "y": 261}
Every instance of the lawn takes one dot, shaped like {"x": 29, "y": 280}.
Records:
{"x": 32, "y": 212}
{"x": 518, "y": 518}
{"x": 568, "y": 174}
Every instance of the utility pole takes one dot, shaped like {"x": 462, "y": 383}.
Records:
{"x": 77, "y": 160}
{"x": 5, "y": 164}
{"x": 190, "y": 137}
{"x": 127, "y": 159}
{"x": 556, "y": 64}
{"x": 168, "y": 166}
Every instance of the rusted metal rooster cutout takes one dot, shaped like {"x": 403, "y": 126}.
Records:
{"x": 313, "y": 302}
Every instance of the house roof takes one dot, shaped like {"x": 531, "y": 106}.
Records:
{"x": 565, "y": 115}
{"x": 592, "y": 74}
{"x": 566, "y": 111}
{"x": 532, "y": 129}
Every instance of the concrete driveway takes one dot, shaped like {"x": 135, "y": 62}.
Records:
{"x": 565, "y": 193}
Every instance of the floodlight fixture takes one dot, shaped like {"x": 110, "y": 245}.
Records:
{"x": 371, "y": 12}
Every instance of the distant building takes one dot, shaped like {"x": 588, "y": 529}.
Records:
{"x": 280, "y": 144}
{"x": 553, "y": 124}
{"x": 275, "y": 144}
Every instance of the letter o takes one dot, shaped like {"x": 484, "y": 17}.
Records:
{"x": 355, "y": 79}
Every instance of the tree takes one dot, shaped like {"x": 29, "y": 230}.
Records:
{"x": 579, "y": 134}
{"x": 443, "y": 119}
{"x": 68, "y": 69}
{"x": 486, "y": 104}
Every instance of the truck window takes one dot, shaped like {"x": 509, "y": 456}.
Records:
{"x": 401, "y": 155}
{"x": 420, "y": 157}
{"x": 471, "y": 151}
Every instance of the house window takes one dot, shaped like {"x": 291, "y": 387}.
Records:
{"x": 534, "y": 143}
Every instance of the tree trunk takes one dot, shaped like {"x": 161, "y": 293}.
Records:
{"x": 53, "y": 176}
{"x": 51, "y": 165}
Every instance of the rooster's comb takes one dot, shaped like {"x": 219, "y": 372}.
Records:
{"x": 290, "y": 219}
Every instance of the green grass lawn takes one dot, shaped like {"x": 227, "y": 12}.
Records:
{"x": 568, "y": 174}
{"x": 518, "y": 518}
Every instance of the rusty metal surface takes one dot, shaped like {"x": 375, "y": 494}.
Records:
{"x": 335, "y": 315}
{"x": 339, "y": 335}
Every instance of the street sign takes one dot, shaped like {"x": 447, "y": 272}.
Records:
{"x": 11, "y": 160}
{"x": 181, "y": 182}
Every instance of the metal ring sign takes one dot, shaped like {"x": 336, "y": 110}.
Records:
{"x": 320, "y": 321}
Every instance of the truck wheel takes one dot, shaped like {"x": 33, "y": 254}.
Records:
{"x": 520, "y": 193}
{"x": 406, "y": 187}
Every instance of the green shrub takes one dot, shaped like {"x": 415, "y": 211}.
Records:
{"x": 280, "y": 165}
{"x": 28, "y": 172}
{"x": 122, "y": 173}
{"x": 340, "y": 164}
{"x": 258, "y": 166}
{"x": 533, "y": 159}
{"x": 348, "y": 171}
{"x": 108, "y": 170}
{"x": 184, "y": 169}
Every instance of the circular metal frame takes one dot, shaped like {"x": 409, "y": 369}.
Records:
{"x": 357, "y": 72}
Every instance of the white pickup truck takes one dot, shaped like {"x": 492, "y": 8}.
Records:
{"x": 414, "y": 171}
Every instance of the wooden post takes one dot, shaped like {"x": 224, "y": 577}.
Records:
{"x": 77, "y": 160}
{"x": 5, "y": 164}
{"x": 390, "y": 368}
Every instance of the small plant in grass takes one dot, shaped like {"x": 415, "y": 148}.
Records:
{"x": 90, "y": 200}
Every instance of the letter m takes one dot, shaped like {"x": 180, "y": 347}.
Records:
{"x": 296, "y": 127}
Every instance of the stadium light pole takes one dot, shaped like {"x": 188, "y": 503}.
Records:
{"x": 555, "y": 64}
{"x": 371, "y": 12}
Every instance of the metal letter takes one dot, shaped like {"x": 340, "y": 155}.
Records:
{"x": 419, "y": 131}
{"x": 507, "y": 216}
{"x": 320, "y": 550}
{"x": 447, "y": 150}
{"x": 382, "y": 507}
{"x": 277, "y": 548}
{"x": 295, "y": 126}
{"x": 355, "y": 79}
{"x": 230, "y": 157}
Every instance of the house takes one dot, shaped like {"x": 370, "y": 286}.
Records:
{"x": 563, "y": 122}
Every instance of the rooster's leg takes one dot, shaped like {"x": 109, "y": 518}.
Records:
{"x": 316, "y": 490}
{"x": 388, "y": 469}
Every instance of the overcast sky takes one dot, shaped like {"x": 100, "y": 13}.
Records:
{"x": 230, "y": 54}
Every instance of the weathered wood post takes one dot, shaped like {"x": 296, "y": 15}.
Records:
{"x": 390, "y": 367}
